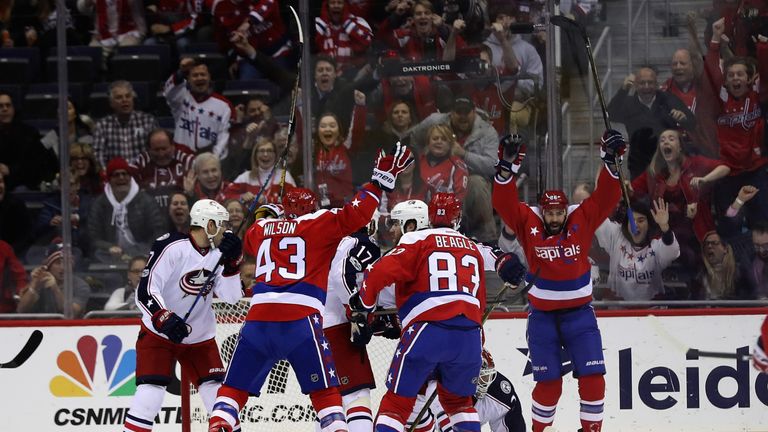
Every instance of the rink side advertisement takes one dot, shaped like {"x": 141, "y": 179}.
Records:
{"x": 81, "y": 377}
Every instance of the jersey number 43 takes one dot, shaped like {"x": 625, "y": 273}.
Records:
{"x": 294, "y": 248}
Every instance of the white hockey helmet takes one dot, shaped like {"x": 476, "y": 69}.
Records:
{"x": 415, "y": 210}
{"x": 487, "y": 375}
{"x": 206, "y": 210}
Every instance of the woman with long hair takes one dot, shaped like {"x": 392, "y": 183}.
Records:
{"x": 440, "y": 170}
{"x": 334, "y": 148}
{"x": 82, "y": 161}
{"x": 685, "y": 183}
{"x": 248, "y": 184}
{"x": 721, "y": 278}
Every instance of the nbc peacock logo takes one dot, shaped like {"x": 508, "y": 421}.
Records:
{"x": 96, "y": 370}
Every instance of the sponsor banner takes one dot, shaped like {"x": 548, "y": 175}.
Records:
{"x": 82, "y": 377}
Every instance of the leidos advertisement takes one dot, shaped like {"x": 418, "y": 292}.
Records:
{"x": 82, "y": 378}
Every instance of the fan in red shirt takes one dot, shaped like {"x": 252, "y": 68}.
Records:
{"x": 439, "y": 169}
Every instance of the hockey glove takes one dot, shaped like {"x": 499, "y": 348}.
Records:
{"x": 231, "y": 246}
{"x": 361, "y": 330}
{"x": 759, "y": 358}
{"x": 171, "y": 325}
{"x": 511, "y": 154}
{"x": 386, "y": 325}
{"x": 389, "y": 166}
{"x": 510, "y": 269}
{"x": 612, "y": 148}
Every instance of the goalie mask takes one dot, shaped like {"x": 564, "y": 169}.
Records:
{"x": 487, "y": 375}
{"x": 411, "y": 210}
{"x": 206, "y": 210}
{"x": 444, "y": 210}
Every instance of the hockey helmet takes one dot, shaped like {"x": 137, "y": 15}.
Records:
{"x": 206, "y": 210}
{"x": 553, "y": 199}
{"x": 487, "y": 374}
{"x": 298, "y": 202}
{"x": 414, "y": 210}
{"x": 445, "y": 210}
{"x": 269, "y": 211}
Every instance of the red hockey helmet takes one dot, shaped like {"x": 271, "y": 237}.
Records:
{"x": 444, "y": 210}
{"x": 298, "y": 202}
{"x": 553, "y": 199}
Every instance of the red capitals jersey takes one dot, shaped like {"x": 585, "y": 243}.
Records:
{"x": 267, "y": 31}
{"x": 740, "y": 123}
{"x": 449, "y": 175}
{"x": 562, "y": 260}
{"x": 159, "y": 181}
{"x": 438, "y": 274}
{"x": 293, "y": 257}
{"x": 334, "y": 167}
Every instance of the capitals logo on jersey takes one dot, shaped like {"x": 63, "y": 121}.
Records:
{"x": 194, "y": 281}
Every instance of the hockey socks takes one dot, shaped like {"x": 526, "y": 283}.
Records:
{"x": 592, "y": 393}
{"x": 460, "y": 410}
{"x": 225, "y": 411}
{"x": 394, "y": 411}
{"x": 327, "y": 404}
{"x": 145, "y": 405}
{"x": 544, "y": 404}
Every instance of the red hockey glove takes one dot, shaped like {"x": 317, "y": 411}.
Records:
{"x": 171, "y": 325}
{"x": 759, "y": 359}
{"x": 389, "y": 166}
{"x": 511, "y": 154}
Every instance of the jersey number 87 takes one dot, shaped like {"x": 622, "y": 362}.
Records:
{"x": 444, "y": 274}
{"x": 295, "y": 248}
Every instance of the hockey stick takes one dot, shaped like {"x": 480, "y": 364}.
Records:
{"x": 208, "y": 285}
{"x": 569, "y": 24}
{"x": 693, "y": 353}
{"x": 32, "y": 343}
{"x": 294, "y": 99}
{"x": 499, "y": 299}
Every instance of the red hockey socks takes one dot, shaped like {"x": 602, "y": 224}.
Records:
{"x": 229, "y": 402}
{"x": 394, "y": 411}
{"x": 327, "y": 404}
{"x": 592, "y": 393}
{"x": 544, "y": 404}
{"x": 460, "y": 410}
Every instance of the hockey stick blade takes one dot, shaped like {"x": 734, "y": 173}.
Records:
{"x": 32, "y": 343}
{"x": 694, "y": 353}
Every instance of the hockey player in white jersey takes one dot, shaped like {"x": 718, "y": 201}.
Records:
{"x": 178, "y": 267}
{"x": 353, "y": 255}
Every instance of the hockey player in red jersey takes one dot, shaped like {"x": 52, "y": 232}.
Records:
{"x": 284, "y": 320}
{"x": 759, "y": 358}
{"x": 440, "y": 295}
{"x": 556, "y": 245}
{"x": 178, "y": 267}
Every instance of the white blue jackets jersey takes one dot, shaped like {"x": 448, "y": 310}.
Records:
{"x": 175, "y": 272}
{"x": 353, "y": 255}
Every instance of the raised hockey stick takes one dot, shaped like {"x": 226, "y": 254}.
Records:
{"x": 569, "y": 24}
{"x": 489, "y": 308}
{"x": 294, "y": 100}
{"x": 26, "y": 351}
{"x": 208, "y": 285}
